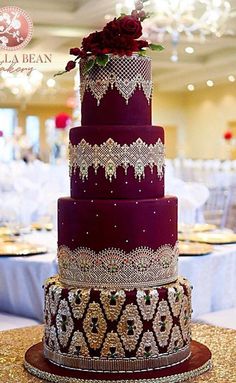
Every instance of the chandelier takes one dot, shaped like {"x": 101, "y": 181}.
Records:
{"x": 21, "y": 85}
{"x": 192, "y": 18}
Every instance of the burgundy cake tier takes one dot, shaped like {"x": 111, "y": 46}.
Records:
{"x": 109, "y": 162}
{"x": 117, "y": 242}
{"x": 117, "y": 94}
{"x": 117, "y": 330}
{"x": 123, "y": 224}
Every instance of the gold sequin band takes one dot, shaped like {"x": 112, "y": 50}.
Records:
{"x": 126, "y": 74}
{"x": 114, "y": 268}
{"x": 168, "y": 379}
{"x": 118, "y": 365}
{"x": 110, "y": 155}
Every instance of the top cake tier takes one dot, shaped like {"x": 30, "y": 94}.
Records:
{"x": 117, "y": 94}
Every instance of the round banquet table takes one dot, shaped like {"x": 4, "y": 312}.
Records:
{"x": 21, "y": 279}
{"x": 222, "y": 343}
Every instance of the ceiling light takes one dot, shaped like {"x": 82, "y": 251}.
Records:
{"x": 15, "y": 91}
{"x": 231, "y": 78}
{"x": 192, "y": 18}
{"x": 51, "y": 82}
{"x": 191, "y": 87}
{"x": 20, "y": 84}
{"x": 189, "y": 50}
{"x": 210, "y": 83}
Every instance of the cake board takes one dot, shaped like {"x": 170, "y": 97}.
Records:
{"x": 198, "y": 363}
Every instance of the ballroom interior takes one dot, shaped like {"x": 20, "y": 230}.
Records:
{"x": 193, "y": 99}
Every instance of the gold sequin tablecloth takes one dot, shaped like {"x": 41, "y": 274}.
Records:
{"x": 222, "y": 343}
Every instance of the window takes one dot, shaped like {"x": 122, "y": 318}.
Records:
{"x": 33, "y": 132}
{"x": 8, "y": 122}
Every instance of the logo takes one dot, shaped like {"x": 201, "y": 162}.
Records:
{"x": 16, "y": 28}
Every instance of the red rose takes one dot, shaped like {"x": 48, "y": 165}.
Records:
{"x": 94, "y": 43}
{"x": 70, "y": 65}
{"x": 112, "y": 29}
{"x": 130, "y": 26}
{"x": 123, "y": 45}
{"x": 142, "y": 44}
{"x": 1, "y": 133}
{"x": 228, "y": 135}
{"x": 77, "y": 52}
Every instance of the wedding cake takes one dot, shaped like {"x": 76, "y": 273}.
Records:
{"x": 117, "y": 309}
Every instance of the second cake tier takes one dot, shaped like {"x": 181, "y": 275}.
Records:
{"x": 117, "y": 162}
{"x": 118, "y": 243}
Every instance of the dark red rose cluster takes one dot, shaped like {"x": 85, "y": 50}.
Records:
{"x": 118, "y": 37}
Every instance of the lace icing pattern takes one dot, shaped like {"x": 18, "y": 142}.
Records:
{"x": 113, "y": 267}
{"x": 124, "y": 73}
{"x": 110, "y": 154}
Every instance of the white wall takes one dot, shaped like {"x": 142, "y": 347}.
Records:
{"x": 201, "y": 117}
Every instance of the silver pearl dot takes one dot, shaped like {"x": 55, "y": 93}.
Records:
{"x": 115, "y": 226}
{"x": 72, "y": 239}
{"x": 126, "y": 240}
{"x": 144, "y": 230}
{"x": 154, "y": 212}
{"x": 91, "y": 200}
{"x": 74, "y": 203}
{"x": 114, "y": 204}
{"x": 87, "y": 232}
{"x": 136, "y": 203}
{"x": 96, "y": 184}
{"x": 126, "y": 182}
{"x": 96, "y": 215}
{"x": 84, "y": 191}
{"x": 140, "y": 190}
{"x": 170, "y": 220}
{"x": 111, "y": 191}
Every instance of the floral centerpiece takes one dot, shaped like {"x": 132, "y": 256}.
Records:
{"x": 120, "y": 36}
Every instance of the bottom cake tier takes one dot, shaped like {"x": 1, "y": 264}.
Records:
{"x": 114, "y": 331}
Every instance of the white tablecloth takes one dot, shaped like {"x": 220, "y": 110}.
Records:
{"x": 22, "y": 278}
{"x": 213, "y": 278}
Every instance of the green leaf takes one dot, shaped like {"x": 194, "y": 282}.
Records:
{"x": 142, "y": 52}
{"x": 89, "y": 64}
{"x": 102, "y": 60}
{"x": 156, "y": 47}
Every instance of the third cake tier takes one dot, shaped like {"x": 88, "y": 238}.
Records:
{"x": 121, "y": 243}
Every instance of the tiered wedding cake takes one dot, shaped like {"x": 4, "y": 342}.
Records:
{"x": 117, "y": 304}
{"x": 117, "y": 310}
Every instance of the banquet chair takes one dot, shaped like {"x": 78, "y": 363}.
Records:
{"x": 8, "y": 321}
{"x": 216, "y": 208}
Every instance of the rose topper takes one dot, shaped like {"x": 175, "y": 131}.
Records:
{"x": 119, "y": 37}
{"x": 62, "y": 120}
{"x": 228, "y": 135}
{"x": 1, "y": 133}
